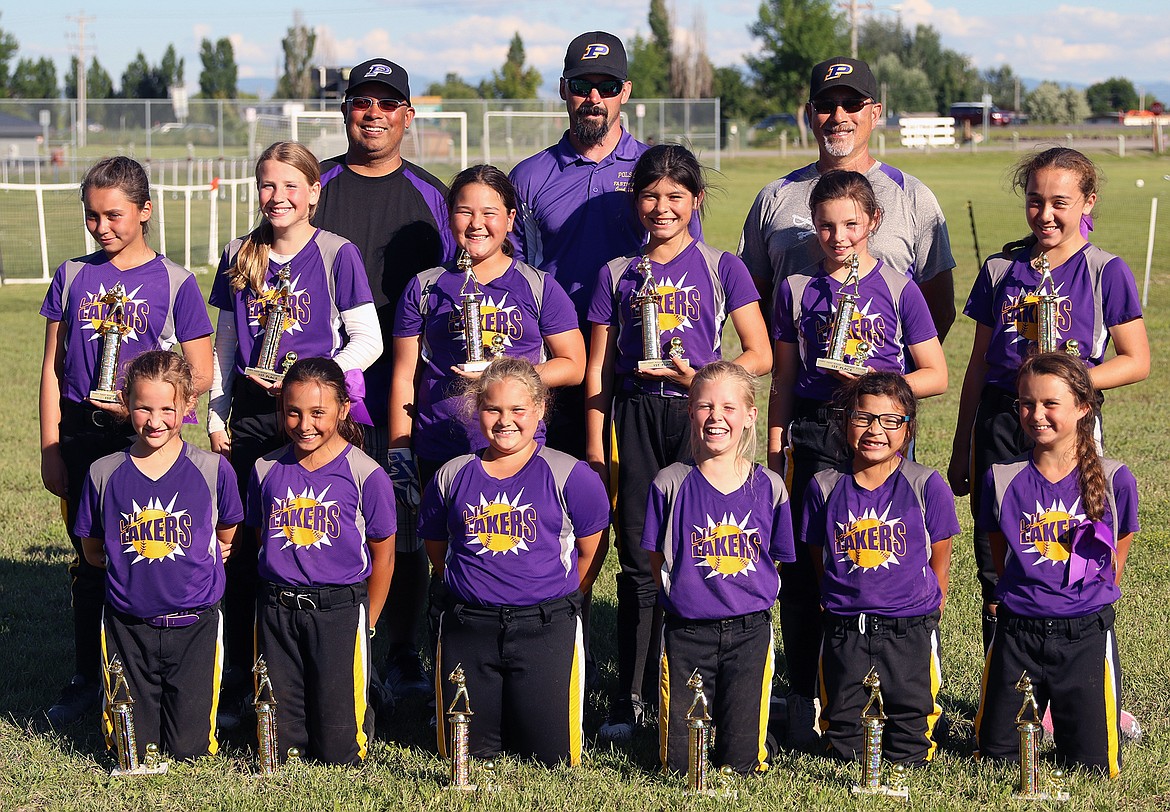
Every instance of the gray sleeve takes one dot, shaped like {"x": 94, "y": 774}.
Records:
{"x": 932, "y": 241}
{"x": 753, "y": 243}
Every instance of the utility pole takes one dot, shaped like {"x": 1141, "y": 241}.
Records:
{"x": 82, "y": 77}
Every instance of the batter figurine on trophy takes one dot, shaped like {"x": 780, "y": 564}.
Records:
{"x": 112, "y": 328}
{"x": 847, "y": 297}
{"x": 277, "y": 311}
{"x": 1028, "y": 724}
{"x": 120, "y": 707}
{"x": 647, "y": 303}
{"x": 265, "y": 706}
{"x": 1047, "y": 311}
{"x": 874, "y": 724}
{"x": 460, "y": 719}
{"x": 471, "y": 299}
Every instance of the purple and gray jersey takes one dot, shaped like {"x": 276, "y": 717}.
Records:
{"x": 313, "y": 525}
{"x": 876, "y": 545}
{"x": 512, "y": 542}
{"x": 890, "y": 315}
{"x": 1038, "y": 519}
{"x": 326, "y": 278}
{"x": 697, "y": 290}
{"x": 522, "y": 306}
{"x": 161, "y": 306}
{"x": 162, "y": 555}
{"x": 576, "y": 215}
{"x": 1095, "y": 291}
{"x": 721, "y": 549}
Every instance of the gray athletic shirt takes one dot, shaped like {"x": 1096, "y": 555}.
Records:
{"x": 779, "y": 240}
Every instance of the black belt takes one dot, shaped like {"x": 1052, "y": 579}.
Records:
{"x": 875, "y": 624}
{"x": 320, "y": 598}
{"x": 817, "y": 411}
{"x": 1069, "y": 627}
{"x": 505, "y": 613}
{"x": 85, "y": 417}
{"x": 746, "y": 622}
{"x": 631, "y": 385}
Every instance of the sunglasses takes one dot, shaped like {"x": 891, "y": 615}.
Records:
{"x": 828, "y": 106}
{"x": 361, "y": 103}
{"x": 606, "y": 88}
{"x": 889, "y": 422}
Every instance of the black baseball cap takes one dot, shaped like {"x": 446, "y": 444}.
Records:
{"x": 382, "y": 71}
{"x": 841, "y": 71}
{"x": 595, "y": 52}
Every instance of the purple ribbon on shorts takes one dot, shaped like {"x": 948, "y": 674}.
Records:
{"x": 355, "y": 385}
{"x": 1091, "y": 549}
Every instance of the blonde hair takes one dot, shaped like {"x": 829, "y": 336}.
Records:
{"x": 748, "y": 385}
{"x": 505, "y": 369}
{"x": 251, "y": 265}
{"x": 163, "y": 366}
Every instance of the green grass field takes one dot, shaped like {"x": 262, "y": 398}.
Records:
{"x": 69, "y": 770}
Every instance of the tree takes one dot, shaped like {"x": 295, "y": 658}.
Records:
{"x": 1075, "y": 105}
{"x": 1112, "y": 95}
{"x": 649, "y": 69}
{"x": 951, "y": 73}
{"x": 691, "y": 72}
{"x": 796, "y": 34}
{"x": 8, "y": 49}
{"x": 34, "y": 80}
{"x": 1002, "y": 83}
{"x": 218, "y": 78}
{"x": 908, "y": 90}
{"x": 452, "y": 87}
{"x": 170, "y": 71}
{"x": 98, "y": 83}
{"x": 298, "y": 46}
{"x": 141, "y": 80}
{"x": 737, "y": 98}
{"x": 513, "y": 80}
{"x": 1049, "y": 104}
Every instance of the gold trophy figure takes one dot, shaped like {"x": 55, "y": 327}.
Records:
{"x": 471, "y": 298}
{"x": 1047, "y": 304}
{"x": 112, "y": 328}
{"x": 121, "y": 709}
{"x": 1028, "y": 725}
{"x": 265, "y": 706}
{"x": 647, "y": 303}
{"x": 460, "y": 718}
{"x": 278, "y": 308}
{"x": 842, "y": 320}
{"x": 874, "y": 724}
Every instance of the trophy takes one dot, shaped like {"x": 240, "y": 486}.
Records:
{"x": 460, "y": 724}
{"x": 472, "y": 298}
{"x": 278, "y": 308}
{"x": 121, "y": 709}
{"x": 647, "y": 303}
{"x": 1046, "y": 298}
{"x": 871, "y": 763}
{"x": 1028, "y": 724}
{"x": 112, "y": 328}
{"x": 839, "y": 332}
{"x": 265, "y": 706}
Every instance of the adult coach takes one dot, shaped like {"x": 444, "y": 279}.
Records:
{"x": 396, "y": 213}
{"x": 779, "y": 240}
{"x": 575, "y": 208}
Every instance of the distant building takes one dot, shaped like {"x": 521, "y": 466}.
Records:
{"x": 19, "y": 137}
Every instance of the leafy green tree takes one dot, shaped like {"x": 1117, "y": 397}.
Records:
{"x": 796, "y": 34}
{"x": 170, "y": 70}
{"x": 220, "y": 74}
{"x": 1076, "y": 105}
{"x": 34, "y": 80}
{"x": 1112, "y": 95}
{"x": 138, "y": 80}
{"x": 298, "y": 46}
{"x": 649, "y": 69}
{"x": 908, "y": 90}
{"x": 453, "y": 87}
{"x": 951, "y": 73}
{"x": 513, "y": 80}
{"x": 1046, "y": 104}
{"x": 98, "y": 83}
{"x": 1001, "y": 83}
{"x": 8, "y": 49}
{"x": 737, "y": 98}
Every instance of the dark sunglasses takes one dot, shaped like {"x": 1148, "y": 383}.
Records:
{"x": 828, "y": 106}
{"x": 606, "y": 88}
{"x": 361, "y": 103}
{"x": 889, "y": 422}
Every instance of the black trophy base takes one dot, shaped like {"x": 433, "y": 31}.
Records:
{"x": 266, "y": 375}
{"x": 841, "y": 366}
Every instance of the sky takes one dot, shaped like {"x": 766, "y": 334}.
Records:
{"x": 1070, "y": 42}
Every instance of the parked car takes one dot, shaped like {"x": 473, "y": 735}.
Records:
{"x": 772, "y": 122}
{"x": 973, "y": 112}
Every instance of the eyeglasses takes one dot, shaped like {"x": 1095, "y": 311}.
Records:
{"x": 361, "y": 103}
{"x": 890, "y": 422}
{"x": 826, "y": 107}
{"x": 606, "y": 88}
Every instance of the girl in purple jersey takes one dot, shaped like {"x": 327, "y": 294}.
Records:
{"x": 124, "y": 289}
{"x": 716, "y": 531}
{"x": 160, "y": 517}
{"x": 698, "y": 288}
{"x": 514, "y": 533}
{"x": 891, "y": 321}
{"x": 329, "y": 312}
{"x": 324, "y": 515}
{"x": 1061, "y": 520}
{"x": 1096, "y": 302}
{"x": 879, "y": 527}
